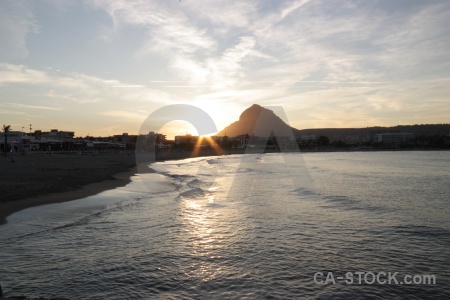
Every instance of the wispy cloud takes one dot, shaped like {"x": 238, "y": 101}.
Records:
{"x": 292, "y": 7}
{"x": 222, "y": 16}
{"x": 77, "y": 87}
{"x": 124, "y": 114}
{"x": 11, "y": 112}
{"x": 294, "y": 50}
{"x": 16, "y": 23}
{"x": 10, "y": 73}
{"x": 166, "y": 30}
{"x": 167, "y": 81}
{"x": 129, "y": 86}
{"x": 187, "y": 86}
{"x": 366, "y": 60}
{"x": 18, "y": 105}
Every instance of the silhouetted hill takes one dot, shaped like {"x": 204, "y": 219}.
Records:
{"x": 268, "y": 120}
{"x": 364, "y": 133}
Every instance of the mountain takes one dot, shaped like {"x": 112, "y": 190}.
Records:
{"x": 259, "y": 121}
{"x": 269, "y": 121}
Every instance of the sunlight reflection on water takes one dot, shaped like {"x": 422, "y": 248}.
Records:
{"x": 365, "y": 212}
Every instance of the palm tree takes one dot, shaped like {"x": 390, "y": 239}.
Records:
{"x": 6, "y": 129}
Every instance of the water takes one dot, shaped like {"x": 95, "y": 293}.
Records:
{"x": 193, "y": 231}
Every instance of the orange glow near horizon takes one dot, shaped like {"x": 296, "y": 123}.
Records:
{"x": 214, "y": 145}
{"x": 211, "y": 142}
{"x": 177, "y": 127}
{"x": 197, "y": 147}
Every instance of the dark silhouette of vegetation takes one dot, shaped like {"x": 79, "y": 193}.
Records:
{"x": 323, "y": 141}
{"x": 339, "y": 144}
{"x": 432, "y": 141}
{"x": 6, "y": 129}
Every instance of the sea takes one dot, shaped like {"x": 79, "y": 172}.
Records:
{"x": 342, "y": 225}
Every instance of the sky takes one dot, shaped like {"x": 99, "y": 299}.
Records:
{"x": 101, "y": 67}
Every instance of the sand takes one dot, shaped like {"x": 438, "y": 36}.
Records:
{"x": 38, "y": 178}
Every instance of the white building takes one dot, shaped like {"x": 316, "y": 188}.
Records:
{"x": 307, "y": 138}
{"x": 396, "y": 138}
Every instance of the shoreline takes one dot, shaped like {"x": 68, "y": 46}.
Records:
{"x": 91, "y": 189}
{"x": 37, "y": 179}
{"x": 110, "y": 181}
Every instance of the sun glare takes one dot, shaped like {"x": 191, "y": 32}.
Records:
{"x": 205, "y": 142}
{"x": 175, "y": 128}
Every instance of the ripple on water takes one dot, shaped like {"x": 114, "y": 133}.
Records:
{"x": 192, "y": 242}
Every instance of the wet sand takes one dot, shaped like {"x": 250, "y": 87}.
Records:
{"x": 38, "y": 178}
{"x": 43, "y": 178}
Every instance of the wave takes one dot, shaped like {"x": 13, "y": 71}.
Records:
{"x": 193, "y": 193}
{"x": 347, "y": 203}
{"x": 82, "y": 220}
{"x": 423, "y": 231}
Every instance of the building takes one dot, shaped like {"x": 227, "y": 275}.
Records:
{"x": 121, "y": 138}
{"x": 15, "y": 140}
{"x": 186, "y": 139}
{"x": 53, "y": 135}
{"x": 393, "y": 138}
{"x": 243, "y": 140}
{"x": 307, "y": 139}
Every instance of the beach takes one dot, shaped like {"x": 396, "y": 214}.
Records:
{"x": 42, "y": 178}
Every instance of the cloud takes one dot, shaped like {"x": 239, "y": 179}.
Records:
{"x": 18, "y": 105}
{"x": 129, "y": 86}
{"x": 73, "y": 96}
{"x": 227, "y": 70}
{"x": 124, "y": 114}
{"x": 9, "y": 112}
{"x": 166, "y": 30}
{"x": 16, "y": 23}
{"x": 358, "y": 59}
{"x": 222, "y": 15}
{"x": 292, "y": 7}
{"x": 419, "y": 44}
{"x": 316, "y": 50}
{"x": 76, "y": 87}
{"x": 10, "y": 73}
{"x": 187, "y": 86}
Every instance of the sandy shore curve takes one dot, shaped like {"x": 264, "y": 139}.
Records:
{"x": 38, "y": 178}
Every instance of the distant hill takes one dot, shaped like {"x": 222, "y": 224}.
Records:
{"x": 359, "y": 134}
{"x": 268, "y": 119}
{"x": 246, "y": 124}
